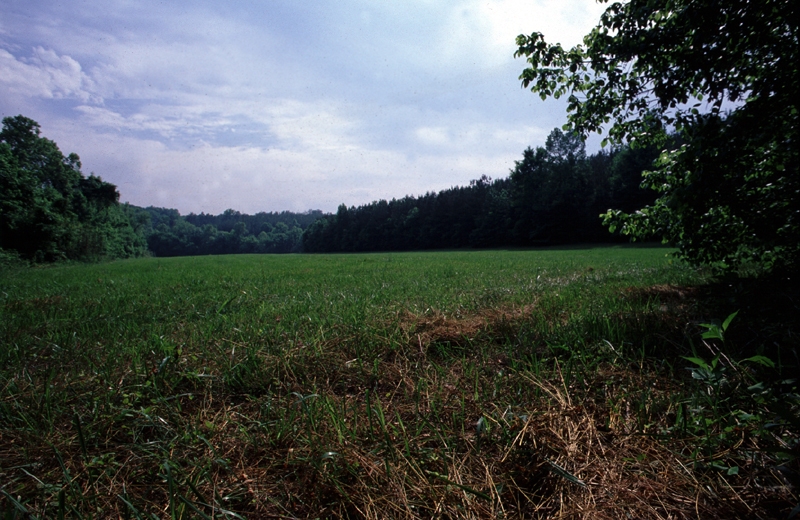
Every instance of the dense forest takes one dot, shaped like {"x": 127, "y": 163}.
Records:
{"x": 170, "y": 234}
{"x": 554, "y": 195}
{"x": 50, "y": 211}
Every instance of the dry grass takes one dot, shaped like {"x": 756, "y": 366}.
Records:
{"x": 434, "y": 327}
{"x": 503, "y": 411}
{"x": 416, "y": 463}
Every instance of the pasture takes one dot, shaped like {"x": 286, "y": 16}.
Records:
{"x": 468, "y": 384}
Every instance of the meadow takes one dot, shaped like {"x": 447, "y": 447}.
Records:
{"x": 592, "y": 382}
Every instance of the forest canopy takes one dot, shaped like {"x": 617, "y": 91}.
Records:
{"x": 553, "y": 195}
{"x": 723, "y": 77}
{"x": 50, "y": 210}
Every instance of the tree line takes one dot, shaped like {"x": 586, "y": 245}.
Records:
{"x": 231, "y": 232}
{"x": 50, "y": 211}
{"x": 554, "y": 195}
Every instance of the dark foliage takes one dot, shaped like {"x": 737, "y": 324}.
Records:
{"x": 724, "y": 76}
{"x": 48, "y": 210}
{"x": 552, "y": 196}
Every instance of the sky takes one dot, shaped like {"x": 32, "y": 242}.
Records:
{"x": 281, "y": 105}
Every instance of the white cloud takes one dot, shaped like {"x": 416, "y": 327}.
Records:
{"x": 560, "y": 21}
{"x": 482, "y": 33}
{"x": 479, "y": 138}
{"x": 211, "y": 178}
{"x": 437, "y": 136}
{"x": 283, "y": 106}
{"x": 308, "y": 126}
{"x": 45, "y": 74}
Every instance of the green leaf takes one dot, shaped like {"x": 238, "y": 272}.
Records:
{"x": 728, "y": 321}
{"x": 761, "y": 360}
{"x": 697, "y": 361}
{"x": 713, "y": 332}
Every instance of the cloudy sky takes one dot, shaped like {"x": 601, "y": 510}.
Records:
{"x": 282, "y": 104}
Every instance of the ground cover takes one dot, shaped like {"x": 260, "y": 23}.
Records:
{"x": 551, "y": 383}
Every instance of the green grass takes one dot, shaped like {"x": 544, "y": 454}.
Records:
{"x": 442, "y": 384}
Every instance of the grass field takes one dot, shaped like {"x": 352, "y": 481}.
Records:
{"x": 479, "y": 384}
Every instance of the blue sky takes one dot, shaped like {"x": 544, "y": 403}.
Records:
{"x": 282, "y": 105}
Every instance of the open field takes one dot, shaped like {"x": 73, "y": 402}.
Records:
{"x": 474, "y": 384}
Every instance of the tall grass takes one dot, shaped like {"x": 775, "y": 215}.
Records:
{"x": 453, "y": 384}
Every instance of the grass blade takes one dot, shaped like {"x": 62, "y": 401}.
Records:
{"x": 561, "y": 472}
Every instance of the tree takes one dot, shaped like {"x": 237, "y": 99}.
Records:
{"x": 494, "y": 221}
{"x": 549, "y": 192}
{"x": 37, "y": 187}
{"x": 48, "y": 209}
{"x": 722, "y": 76}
